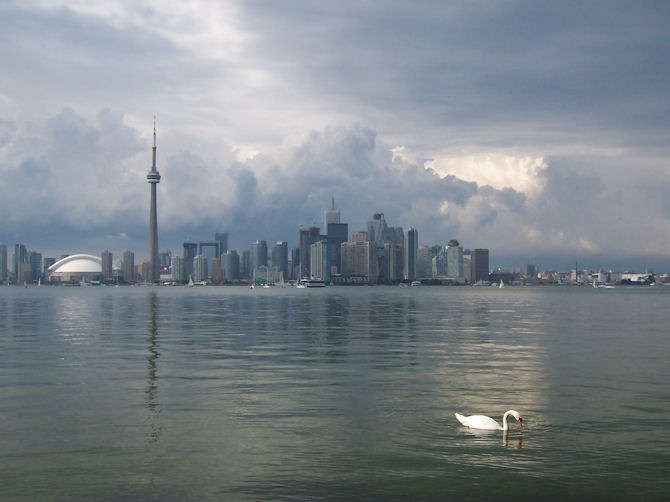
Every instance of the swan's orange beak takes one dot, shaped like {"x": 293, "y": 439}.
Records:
{"x": 520, "y": 422}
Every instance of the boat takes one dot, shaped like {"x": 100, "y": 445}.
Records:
{"x": 416, "y": 283}
{"x": 501, "y": 285}
{"x": 190, "y": 281}
{"x": 313, "y": 283}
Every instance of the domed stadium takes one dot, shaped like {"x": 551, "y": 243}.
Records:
{"x": 77, "y": 267}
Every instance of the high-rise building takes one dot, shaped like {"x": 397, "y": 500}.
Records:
{"x": 35, "y": 260}
{"x": 307, "y": 238}
{"x": 165, "y": 260}
{"x": 337, "y": 234}
{"x": 190, "y": 250}
{"x": 246, "y": 271}
{"x": 128, "y": 267}
{"x": 231, "y": 265}
{"x": 177, "y": 266}
{"x": 424, "y": 262}
{"x": 359, "y": 259}
{"x": 47, "y": 262}
{"x": 153, "y": 178}
{"x": 280, "y": 258}
{"x": 106, "y": 258}
{"x": 222, "y": 239}
{"x": 259, "y": 256}
{"x": 330, "y": 216}
{"x": 455, "y": 260}
{"x": 19, "y": 263}
{"x": 200, "y": 269}
{"x": 411, "y": 254}
{"x": 479, "y": 263}
{"x": 392, "y": 263}
{"x": 320, "y": 260}
{"x": 3, "y": 262}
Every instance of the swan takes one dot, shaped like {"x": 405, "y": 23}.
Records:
{"x": 487, "y": 423}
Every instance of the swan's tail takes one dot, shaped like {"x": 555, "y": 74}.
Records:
{"x": 460, "y": 418}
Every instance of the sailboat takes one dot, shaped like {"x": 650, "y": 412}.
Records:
{"x": 190, "y": 281}
{"x": 501, "y": 285}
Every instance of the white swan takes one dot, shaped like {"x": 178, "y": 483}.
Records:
{"x": 487, "y": 423}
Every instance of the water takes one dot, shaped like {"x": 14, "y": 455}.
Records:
{"x": 225, "y": 393}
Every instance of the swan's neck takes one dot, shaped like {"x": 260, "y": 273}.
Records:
{"x": 507, "y": 413}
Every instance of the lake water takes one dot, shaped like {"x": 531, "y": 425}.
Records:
{"x": 341, "y": 393}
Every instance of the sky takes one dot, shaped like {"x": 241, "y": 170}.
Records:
{"x": 539, "y": 130}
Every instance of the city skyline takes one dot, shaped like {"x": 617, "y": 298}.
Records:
{"x": 534, "y": 130}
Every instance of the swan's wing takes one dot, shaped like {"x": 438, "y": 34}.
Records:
{"x": 479, "y": 422}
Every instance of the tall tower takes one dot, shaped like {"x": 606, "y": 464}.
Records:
{"x": 153, "y": 178}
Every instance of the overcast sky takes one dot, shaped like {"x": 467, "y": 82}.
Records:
{"x": 539, "y": 130}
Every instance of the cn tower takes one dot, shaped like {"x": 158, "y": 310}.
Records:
{"x": 153, "y": 178}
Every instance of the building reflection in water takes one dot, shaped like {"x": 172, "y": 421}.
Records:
{"x": 151, "y": 393}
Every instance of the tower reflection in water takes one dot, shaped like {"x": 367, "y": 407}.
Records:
{"x": 151, "y": 393}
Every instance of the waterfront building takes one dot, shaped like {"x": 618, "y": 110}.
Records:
{"x": 76, "y": 268}
{"x": 178, "y": 268}
{"x": 165, "y": 260}
{"x": 280, "y": 257}
{"x": 153, "y": 178}
{"x": 209, "y": 250}
{"x": 330, "y": 216}
{"x": 320, "y": 260}
{"x": 424, "y": 262}
{"x": 454, "y": 252}
{"x": 246, "y": 272}
{"x": 411, "y": 254}
{"x": 222, "y": 239}
{"x": 337, "y": 234}
{"x": 359, "y": 259}
{"x": 216, "y": 272}
{"x": 190, "y": 251}
{"x": 259, "y": 255}
{"x": 35, "y": 261}
{"x": 128, "y": 267}
{"x": 231, "y": 265}
{"x": 106, "y": 262}
{"x": 479, "y": 264}
{"x": 47, "y": 262}
{"x": 307, "y": 238}
{"x": 392, "y": 263}
{"x": 3, "y": 262}
{"x": 200, "y": 270}
{"x": 19, "y": 263}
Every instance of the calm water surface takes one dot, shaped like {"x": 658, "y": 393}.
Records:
{"x": 339, "y": 393}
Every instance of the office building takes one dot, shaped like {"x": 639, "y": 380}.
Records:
{"x": 307, "y": 238}
{"x": 359, "y": 259}
{"x": 128, "y": 267}
{"x": 259, "y": 255}
{"x": 222, "y": 239}
{"x": 106, "y": 262}
{"x": 190, "y": 251}
{"x": 3, "y": 262}
{"x": 330, "y": 216}
{"x": 280, "y": 258}
{"x": 455, "y": 260}
{"x": 479, "y": 263}
{"x": 177, "y": 267}
{"x": 20, "y": 263}
{"x": 200, "y": 268}
{"x": 337, "y": 234}
{"x": 231, "y": 265}
{"x": 320, "y": 260}
{"x": 411, "y": 254}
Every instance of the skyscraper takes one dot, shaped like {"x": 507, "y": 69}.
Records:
{"x": 106, "y": 258}
{"x": 280, "y": 257}
{"x": 259, "y": 256}
{"x": 330, "y": 215}
{"x": 455, "y": 260}
{"x": 307, "y": 238}
{"x": 411, "y": 254}
{"x": 3, "y": 262}
{"x": 19, "y": 263}
{"x": 153, "y": 178}
{"x": 479, "y": 263}
{"x": 222, "y": 239}
{"x": 128, "y": 267}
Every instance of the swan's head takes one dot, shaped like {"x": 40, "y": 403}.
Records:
{"x": 516, "y": 415}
